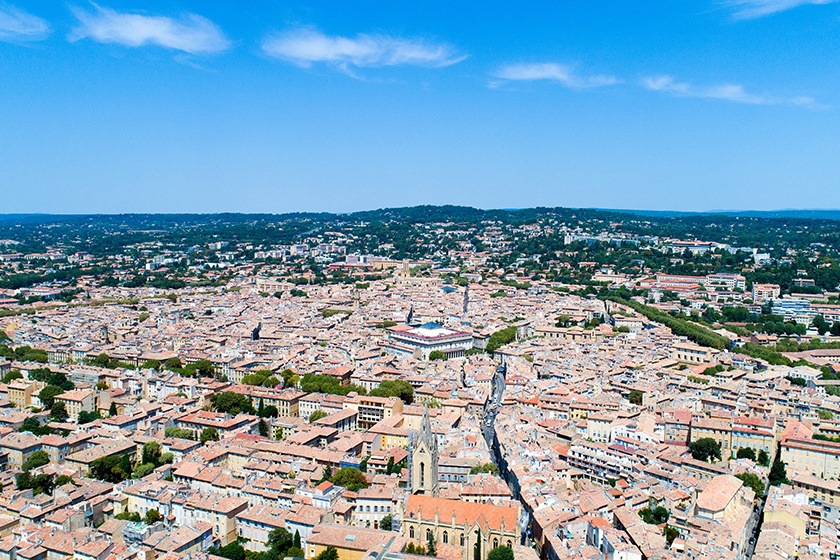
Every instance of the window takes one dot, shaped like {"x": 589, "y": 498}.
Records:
{"x": 411, "y": 532}
{"x": 509, "y": 544}
{"x": 422, "y": 475}
{"x": 495, "y": 543}
{"x": 445, "y": 538}
{"x": 462, "y": 539}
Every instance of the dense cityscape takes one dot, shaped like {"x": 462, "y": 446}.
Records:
{"x": 430, "y": 381}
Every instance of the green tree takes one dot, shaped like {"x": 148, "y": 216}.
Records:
{"x": 670, "y": 534}
{"x": 389, "y": 468}
{"x": 431, "y": 549}
{"x": 142, "y": 470}
{"x": 173, "y": 364}
{"x": 752, "y": 481}
{"x": 386, "y": 523}
{"x": 102, "y": 360}
{"x": 500, "y": 553}
{"x": 269, "y": 411}
{"x": 152, "y": 517}
{"x": 11, "y": 376}
{"x": 205, "y": 368}
{"x": 437, "y": 355}
{"x": 654, "y": 516}
{"x": 279, "y": 541}
{"x": 763, "y": 458}
{"x": 112, "y": 410}
{"x": 64, "y": 479}
{"x": 395, "y": 388}
{"x": 778, "y": 472}
{"x": 151, "y": 453}
{"x": 231, "y": 403}
{"x": 329, "y": 553}
{"x": 58, "y": 411}
{"x": 111, "y": 469}
{"x": 296, "y": 541}
{"x": 635, "y": 397}
{"x": 489, "y": 468}
{"x": 317, "y": 415}
{"x": 263, "y": 427}
{"x": 179, "y": 433}
{"x": 746, "y": 453}
{"x": 209, "y": 434}
{"x": 704, "y": 449}
{"x": 35, "y": 460}
{"x": 48, "y": 395}
{"x": 231, "y": 551}
{"x": 351, "y": 478}
{"x": 86, "y": 417}
{"x": 500, "y": 338}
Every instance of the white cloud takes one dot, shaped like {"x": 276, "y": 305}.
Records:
{"x": 749, "y": 9}
{"x": 190, "y": 33}
{"x": 561, "y": 73}
{"x": 726, "y": 92}
{"x": 305, "y": 47}
{"x": 17, "y": 25}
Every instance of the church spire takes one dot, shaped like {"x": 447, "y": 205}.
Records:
{"x": 423, "y": 459}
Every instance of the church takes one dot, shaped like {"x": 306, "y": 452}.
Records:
{"x": 474, "y": 529}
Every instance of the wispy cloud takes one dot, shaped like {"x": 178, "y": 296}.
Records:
{"x": 305, "y": 47}
{"x": 189, "y": 33}
{"x": 561, "y": 73}
{"x": 17, "y": 25}
{"x": 750, "y": 9}
{"x": 726, "y": 92}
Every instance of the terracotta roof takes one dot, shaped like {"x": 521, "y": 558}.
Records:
{"x": 719, "y": 493}
{"x": 424, "y": 507}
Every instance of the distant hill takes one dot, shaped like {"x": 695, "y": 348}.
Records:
{"x": 800, "y": 214}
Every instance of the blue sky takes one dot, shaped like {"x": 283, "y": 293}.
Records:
{"x": 196, "y": 106}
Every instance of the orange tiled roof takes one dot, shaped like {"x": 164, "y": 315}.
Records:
{"x": 487, "y": 515}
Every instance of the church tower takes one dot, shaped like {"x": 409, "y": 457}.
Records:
{"x": 423, "y": 463}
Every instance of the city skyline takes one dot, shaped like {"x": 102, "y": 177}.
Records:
{"x": 186, "y": 107}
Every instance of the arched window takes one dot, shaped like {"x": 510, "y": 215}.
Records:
{"x": 423, "y": 475}
{"x": 411, "y": 532}
{"x": 462, "y": 539}
{"x": 428, "y": 534}
{"x": 495, "y": 543}
{"x": 509, "y": 544}
{"x": 445, "y": 538}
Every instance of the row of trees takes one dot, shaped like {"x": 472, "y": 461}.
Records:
{"x": 679, "y": 326}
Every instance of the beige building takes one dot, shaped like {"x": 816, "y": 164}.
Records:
{"x": 466, "y": 526}
{"x": 765, "y": 292}
{"x": 18, "y": 447}
{"x": 690, "y": 353}
{"x": 81, "y": 400}
{"x": 371, "y": 410}
{"x": 351, "y": 543}
{"x": 723, "y": 498}
{"x": 816, "y": 457}
{"x": 23, "y": 393}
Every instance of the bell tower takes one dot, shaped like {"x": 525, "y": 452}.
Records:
{"x": 423, "y": 464}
